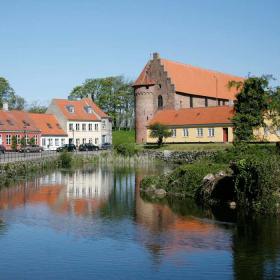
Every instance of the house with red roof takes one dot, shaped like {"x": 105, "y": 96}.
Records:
{"x": 178, "y": 93}
{"x": 18, "y": 125}
{"x": 52, "y": 134}
{"x": 82, "y": 120}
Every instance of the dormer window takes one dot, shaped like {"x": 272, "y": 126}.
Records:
{"x": 70, "y": 109}
{"x": 10, "y": 122}
{"x": 49, "y": 125}
{"x": 26, "y": 123}
{"x": 88, "y": 109}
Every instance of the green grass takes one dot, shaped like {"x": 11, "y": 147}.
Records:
{"x": 123, "y": 137}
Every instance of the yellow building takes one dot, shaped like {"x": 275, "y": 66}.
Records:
{"x": 196, "y": 125}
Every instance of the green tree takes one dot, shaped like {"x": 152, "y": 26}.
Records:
{"x": 23, "y": 142}
{"x": 250, "y": 106}
{"x": 159, "y": 131}
{"x": 114, "y": 95}
{"x": 32, "y": 141}
{"x": 36, "y": 107}
{"x": 14, "y": 143}
{"x": 7, "y": 94}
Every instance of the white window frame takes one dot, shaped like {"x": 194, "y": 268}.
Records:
{"x": 186, "y": 132}
{"x": 199, "y": 132}
{"x": 90, "y": 127}
{"x": 173, "y": 131}
{"x": 211, "y": 132}
{"x": 8, "y": 139}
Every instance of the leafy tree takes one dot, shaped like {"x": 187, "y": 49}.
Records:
{"x": 159, "y": 131}
{"x": 32, "y": 141}
{"x": 36, "y": 107}
{"x": 7, "y": 94}
{"x": 23, "y": 142}
{"x": 14, "y": 143}
{"x": 113, "y": 94}
{"x": 250, "y": 106}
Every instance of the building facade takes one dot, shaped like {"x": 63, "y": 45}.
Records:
{"x": 18, "y": 126}
{"x": 167, "y": 85}
{"x": 52, "y": 134}
{"x": 82, "y": 120}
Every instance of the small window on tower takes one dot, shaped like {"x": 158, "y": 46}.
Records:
{"x": 160, "y": 102}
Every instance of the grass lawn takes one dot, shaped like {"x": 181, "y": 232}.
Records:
{"x": 126, "y": 137}
{"x": 123, "y": 137}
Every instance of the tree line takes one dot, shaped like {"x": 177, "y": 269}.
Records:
{"x": 114, "y": 95}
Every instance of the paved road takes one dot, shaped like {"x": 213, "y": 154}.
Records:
{"x": 14, "y": 156}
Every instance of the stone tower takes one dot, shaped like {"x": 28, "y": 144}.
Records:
{"x": 153, "y": 91}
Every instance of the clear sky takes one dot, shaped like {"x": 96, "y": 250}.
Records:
{"x": 49, "y": 46}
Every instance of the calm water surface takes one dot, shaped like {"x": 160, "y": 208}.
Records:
{"x": 93, "y": 224}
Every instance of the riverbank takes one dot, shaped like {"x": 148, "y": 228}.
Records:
{"x": 245, "y": 177}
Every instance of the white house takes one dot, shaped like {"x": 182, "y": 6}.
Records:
{"x": 52, "y": 134}
{"x": 82, "y": 120}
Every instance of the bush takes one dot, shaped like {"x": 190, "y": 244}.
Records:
{"x": 126, "y": 150}
{"x": 65, "y": 159}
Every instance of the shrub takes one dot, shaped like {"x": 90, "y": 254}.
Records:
{"x": 126, "y": 150}
{"x": 65, "y": 159}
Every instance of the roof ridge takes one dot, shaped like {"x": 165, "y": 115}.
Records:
{"x": 201, "y": 68}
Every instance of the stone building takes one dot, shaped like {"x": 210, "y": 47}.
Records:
{"x": 164, "y": 84}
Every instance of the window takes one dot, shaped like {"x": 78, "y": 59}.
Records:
{"x": 173, "y": 130}
{"x": 206, "y": 102}
{"x": 96, "y": 126}
{"x": 10, "y": 122}
{"x": 25, "y": 123}
{"x": 77, "y": 126}
{"x": 186, "y": 132}
{"x": 50, "y": 142}
{"x": 191, "y": 101}
{"x": 219, "y": 102}
{"x": 8, "y": 139}
{"x": 62, "y": 141}
{"x": 43, "y": 141}
{"x": 90, "y": 140}
{"x": 103, "y": 124}
{"x": 1, "y": 141}
{"x": 88, "y": 109}
{"x": 77, "y": 142}
{"x": 58, "y": 126}
{"x": 18, "y": 139}
{"x": 224, "y": 102}
{"x": 71, "y": 127}
{"x": 160, "y": 102}
{"x": 49, "y": 125}
{"x": 36, "y": 139}
{"x": 84, "y": 127}
{"x": 96, "y": 141}
{"x": 56, "y": 142}
{"x": 70, "y": 109}
{"x": 199, "y": 132}
{"x": 26, "y": 139}
{"x": 211, "y": 132}
{"x": 90, "y": 126}
{"x": 84, "y": 140}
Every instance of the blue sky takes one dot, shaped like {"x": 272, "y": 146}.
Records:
{"x": 48, "y": 47}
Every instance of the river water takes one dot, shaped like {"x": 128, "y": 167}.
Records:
{"x": 93, "y": 224}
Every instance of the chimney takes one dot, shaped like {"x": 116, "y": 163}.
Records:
{"x": 155, "y": 55}
{"x": 5, "y": 106}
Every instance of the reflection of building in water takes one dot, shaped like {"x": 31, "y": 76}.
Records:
{"x": 89, "y": 184}
{"x": 79, "y": 193}
{"x": 165, "y": 232}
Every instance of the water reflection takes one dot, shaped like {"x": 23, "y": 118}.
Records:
{"x": 102, "y": 205}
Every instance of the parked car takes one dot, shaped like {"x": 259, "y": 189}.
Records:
{"x": 88, "y": 147}
{"x": 2, "y": 149}
{"x": 67, "y": 147}
{"x": 106, "y": 146}
{"x": 31, "y": 149}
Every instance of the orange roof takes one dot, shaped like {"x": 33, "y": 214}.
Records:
{"x": 144, "y": 79}
{"x": 198, "y": 81}
{"x": 79, "y": 109}
{"x": 195, "y": 116}
{"x": 48, "y": 124}
{"x": 16, "y": 121}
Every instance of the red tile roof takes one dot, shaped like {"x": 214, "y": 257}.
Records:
{"x": 198, "y": 81}
{"x": 143, "y": 79}
{"x": 16, "y": 121}
{"x": 80, "y": 113}
{"x": 48, "y": 124}
{"x": 194, "y": 116}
